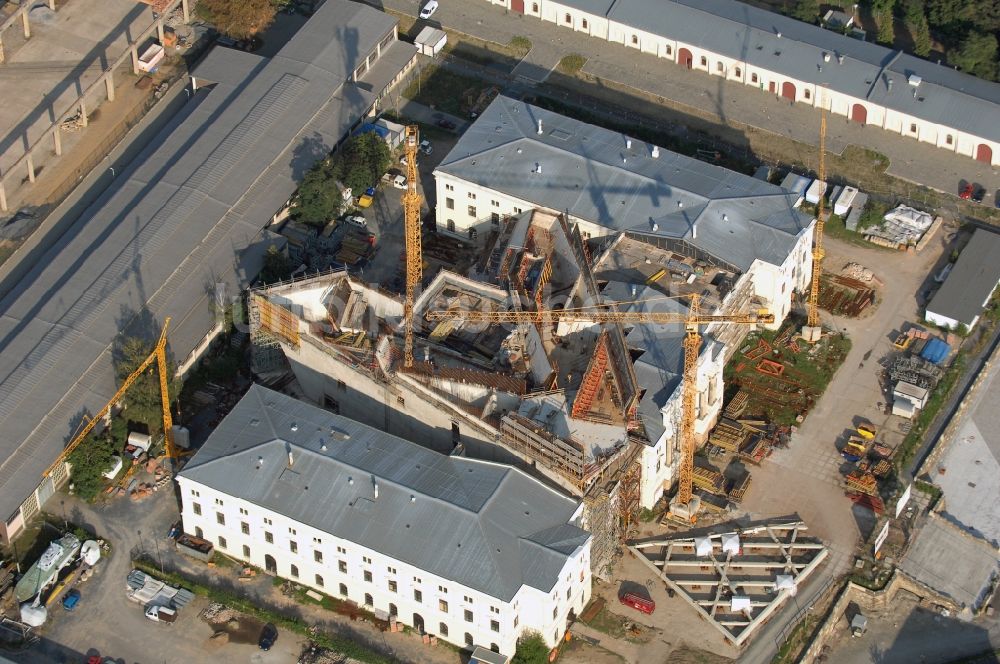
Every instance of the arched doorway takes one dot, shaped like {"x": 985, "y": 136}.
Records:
{"x": 984, "y": 153}
{"x": 270, "y": 565}
{"x": 788, "y": 90}
{"x": 684, "y": 58}
{"x": 859, "y": 114}
{"x": 418, "y": 623}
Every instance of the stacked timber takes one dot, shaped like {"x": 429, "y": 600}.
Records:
{"x": 710, "y": 480}
{"x": 739, "y": 487}
{"x": 754, "y": 449}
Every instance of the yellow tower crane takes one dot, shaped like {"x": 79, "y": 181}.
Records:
{"x": 813, "y": 329}
{"x": 159, "y": 355}
{"x": 692, "y": 344}
{"x": 414, "y": 252}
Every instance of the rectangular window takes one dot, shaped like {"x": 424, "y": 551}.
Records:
{"x": 472, "y": 211}
{"x": 449, "y": 203}
{"x": 720, "y": 67}
{"x": 517, "y": 210}
{"x": 913, "y": 128}
{"x": 244, "y": 527}
{"x": 417, "y": 595}
{"x": 753, "y": 78}
{"x": 342, "y": 566}
{"x": 195, "y": 493}
{"x": 341, "y": 549}
{"x": 319, "y": 581}
{"x": 218, "y": 501}
{"x": 449, "y": 187}
{"x": 268, "y": 521}
{"x": 243, "y": 511}
{"x": 268, "y": 537}
{"x": 196, "y": 508}
{"x": 293, "y": 545}
{"x": 317, "y": 540}
{"x": 583, "y": 24}
{"x": 318, "y": 556}
{"x": 495, "y": 219}
{"x": 391, "y": 570}
{"x": 468, "y": 616}
{"x": 443, "y": 606}
{"x": 291, "y": 531}
{"x": 555, "y": 611}
{"x": 467, "y": 599}
{"x": 568, "y": 19}
{"x": 416, "y": 579}
{"x": 495, "y": 610}
{"x": 472, "y": 196}
{"x": 495, "y": 625}
{"x": 442, "y": 589}
{"x": 806, "y": 94}
{"x": 366, "y": 559}
{"x": 669, "y": 50}
{"x": 368, "y": 576}
{"x": 401, "y": 401}
{"x": 704, "y": 61}
{"x": 220, "y": 518}
{"x": 495, "y": 203}
{"x": 569, "y": 592}
{"x": 222, "y": 542}
{"x": 516, "y": 620}
{"x": 635, "y": 39}
{"x": 948, "y": 139}
{"x": 392, "y": 586}
{"x": 246, "y": 551}
{"x": 534, "y": 7}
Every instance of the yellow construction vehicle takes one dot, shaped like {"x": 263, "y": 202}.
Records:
{"x": 158, "y": 355}
{"x": 685, "y": 505}
{"x": 414, "y": 251}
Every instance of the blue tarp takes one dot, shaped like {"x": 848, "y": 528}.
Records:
{"x": 935, "y": 350}
{"x": 383, "y": 132}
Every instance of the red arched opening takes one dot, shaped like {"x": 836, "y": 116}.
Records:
{"x": 984, "y": 153}
{"x": 788, "y": 90}
{"x": 859, "y": 114}
{"x": 684, "y": 58}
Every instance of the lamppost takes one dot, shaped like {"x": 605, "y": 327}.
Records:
{"x": 65, "y": 521}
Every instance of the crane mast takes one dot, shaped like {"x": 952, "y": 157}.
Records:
{"x": 158, "y": 355}
{"x": 411, "y": 216}
{"x": 813, "y": 329}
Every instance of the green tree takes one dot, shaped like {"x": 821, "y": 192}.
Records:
{"x": 976, "y": 55}
{"x": 916, "y": 24}
{"x": 88, "y": 463}
{"x": 277, "y": 266}
{"x": 531, "y": 649}
{"x": 882, "y": 11}
{"x": 142, "y": 400}
{"x": 806, "y": 10}
{"x": 319, "y": 199}
{"x": 362, "y": 160}
{"x": 240, "y": 19}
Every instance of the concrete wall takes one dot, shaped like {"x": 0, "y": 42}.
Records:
{"x": 318, "y": 557}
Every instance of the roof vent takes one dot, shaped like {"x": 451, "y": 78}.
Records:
{"x": 260, "y": 461}
{"x": 628, "y": 143}
{"x": 680, "y": 204}
{"x": 889, "y": 83}
{"x": 350, "y": 480}
{"x": 914, "y": 80}
{"x": 539, "y": 126}
{"x": 656, "y": 226}
{"x": 294, "y": 427}
{"x": 694, "y": 230}
{"x": 538, "y": 168}
{"x": 656, "y": 152}
{"x": 819, "y": 67}
{"x": 826, "y": 57}
{"x": 375, "y": 487}
{"x": 291, "y": 459}
{"x": 840, "y": 59}
{"x": 254, "y": 422}
{"x": 624, "y": 160}
{"x": 322, "y": 445}
{"x": 725, "y": 217}
{"x": 413, "y": 498}
{"x": 778, "y": 34}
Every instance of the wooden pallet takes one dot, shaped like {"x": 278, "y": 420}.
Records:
{"x": 709, "y": 480}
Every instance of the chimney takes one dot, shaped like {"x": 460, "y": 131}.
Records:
{"x": 628, "y": 143}
{"x": 291, "y": 459}
{"x": 656, "y": 226}
{"x": 725, "y": 217}
{"x": 778, "y": 35}
{"x": 375, "y": 486}
{"x": 322, "y": 445}
{"x": 624, "y": 161}
{"x": 656, "y": 152}
{"x": 826, "y": 57}
{"x": 840, "y": 59}
{"x": 694, "y": 230}
{"x": 260, "y": 461}
{"x": 539, "y": 126}
{"x": 635, "y": 289}
{"x": 889, "y": 83}
{"x": 538, "y": 167}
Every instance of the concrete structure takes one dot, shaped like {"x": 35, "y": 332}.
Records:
{"x": 796, "y": 61}
{"x": 959, "y": 565}
{"x": 516, "y": 157}
{"x": 184, "y": 220}
{"x": 473, "y": 552}
{"x": 969, "y": 285}
{"x": 736, "y": 581}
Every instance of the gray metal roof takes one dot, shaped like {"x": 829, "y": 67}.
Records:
{"x": 970, "y": 283}
{"x": 589, "y": 171}
{"x": 185, "y": 216}
{"x": 945, "y": 96}
{"x": 484, "y": 525}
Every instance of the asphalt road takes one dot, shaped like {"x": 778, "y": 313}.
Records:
{"x": 909, "y": 159}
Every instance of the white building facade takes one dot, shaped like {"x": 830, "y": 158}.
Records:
{"x": 434, "y": 601}
{"x": 799, "y": 62}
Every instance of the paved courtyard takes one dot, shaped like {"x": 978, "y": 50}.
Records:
{"x": 726, "y": 102}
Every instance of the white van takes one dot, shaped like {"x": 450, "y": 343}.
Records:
{"x": 429, "y": 9}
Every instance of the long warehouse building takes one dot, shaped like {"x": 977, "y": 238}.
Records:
{"x": 185, "y": 218}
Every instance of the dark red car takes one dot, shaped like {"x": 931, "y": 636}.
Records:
{"x": 966, "y": 192}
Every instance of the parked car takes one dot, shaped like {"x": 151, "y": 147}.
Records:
{"x": 426, "y": 147}
{"x": 71, "y": 599}
{"x": 402, "y": 160}
{"x": 429, "y": 9}
{"x": 978, "y": 193}
{"x": 356, "y": 220}
{"x": 445, "y": 123}
{"x": 966, "y": 192}
{"x": 268, "y": 635}
{"x": 399, "y": 182}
